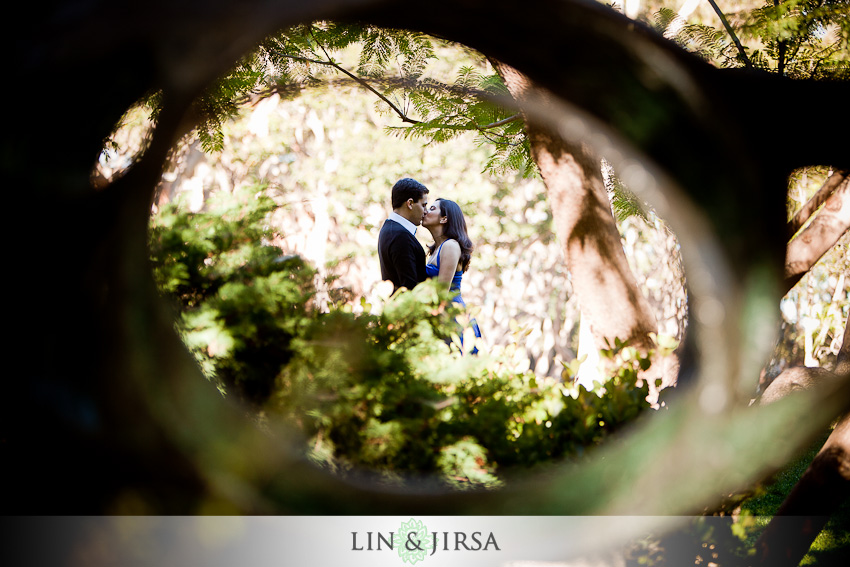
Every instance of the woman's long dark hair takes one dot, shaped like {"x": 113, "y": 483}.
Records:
{"x": 455, "y": 228}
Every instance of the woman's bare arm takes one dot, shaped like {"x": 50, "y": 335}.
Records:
{"x": 449, "y": 257}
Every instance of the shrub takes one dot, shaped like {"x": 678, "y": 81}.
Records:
{"x": 388, "y": 391}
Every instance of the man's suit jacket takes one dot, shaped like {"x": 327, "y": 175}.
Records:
{"x": 402, "y": 256}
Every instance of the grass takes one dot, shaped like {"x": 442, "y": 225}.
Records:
{"x": 832, "y": 545}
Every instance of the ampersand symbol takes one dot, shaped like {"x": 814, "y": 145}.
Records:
{"x": 410, "y": 540}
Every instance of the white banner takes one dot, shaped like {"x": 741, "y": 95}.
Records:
{"x": 319, "y": 541}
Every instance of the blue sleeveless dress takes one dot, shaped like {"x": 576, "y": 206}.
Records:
{"x": 432, "y": 271}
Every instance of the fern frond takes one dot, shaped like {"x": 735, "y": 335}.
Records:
{"x": 624, "y": 203}
{"x": 663, "y": 19}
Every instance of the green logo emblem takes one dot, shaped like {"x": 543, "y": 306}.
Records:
{"x": 413, "y": 541}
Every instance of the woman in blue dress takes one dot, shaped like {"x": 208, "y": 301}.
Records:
{"x": 451, "y": 252}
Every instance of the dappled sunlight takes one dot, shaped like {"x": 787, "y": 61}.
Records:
{"x": 323, "y": 172}
{"x": 293, "y": 320}
{"x": 329, "y": 168}
{"x": 324, "y": 393}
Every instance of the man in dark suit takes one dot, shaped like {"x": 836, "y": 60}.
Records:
{"x": 402, "y": 256}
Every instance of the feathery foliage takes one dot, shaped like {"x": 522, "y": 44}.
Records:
{"x": 624, "y": 203}
{"x": 805, "y": 38}
{"x": 391, "y": 64}
{"x": 796, "y": 38}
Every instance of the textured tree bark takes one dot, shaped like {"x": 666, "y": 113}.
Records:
{"x": 607, "y": 292}
{"x": 818, "y": 199}
{"x": 796, "y": 379}
{"x": 842, "y": 363}
{"x": 820, "y": 236}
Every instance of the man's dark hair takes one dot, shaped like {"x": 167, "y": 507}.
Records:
{"x": 405, "y": 189}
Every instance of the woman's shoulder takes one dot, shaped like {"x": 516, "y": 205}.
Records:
{"x": 451, "y": 246}
{"x": 451, "y": 243}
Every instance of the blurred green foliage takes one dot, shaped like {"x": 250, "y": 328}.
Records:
{"x": 385, "y": 389}
{"x": 379, "y": 388}
{"x": 795, "y": 38}
{"x": 241, "y": 304}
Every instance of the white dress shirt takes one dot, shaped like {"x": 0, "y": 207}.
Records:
{"x": 411, "y": 228}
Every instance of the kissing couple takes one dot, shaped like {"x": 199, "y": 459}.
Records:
{"x": 403, "y": 260}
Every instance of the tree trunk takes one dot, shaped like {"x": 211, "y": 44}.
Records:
{"x": 631, "y": 8}
{"x": 813, "y": 204}
{"x": 94, "y": 346}
{"x": 817, "y": 495}
{"x": 610, "y": 302}
{"x": 842, "y": 364}
{"x": 821, "y": 235}
{"x": 823, "y": 487}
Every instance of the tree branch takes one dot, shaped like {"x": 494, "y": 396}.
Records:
{"x": 482, "y": 129}
{"x": 502, "y": 122}
{"x": 818, "y": 199}
{"x": 782, "y": 50}
{"x": 819, "y": 237}
{"x": 329, "y": 62}
{"x": 361, "y": 81}
{"x": 731, "y": 33}
{"x": 823, "y": 487}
